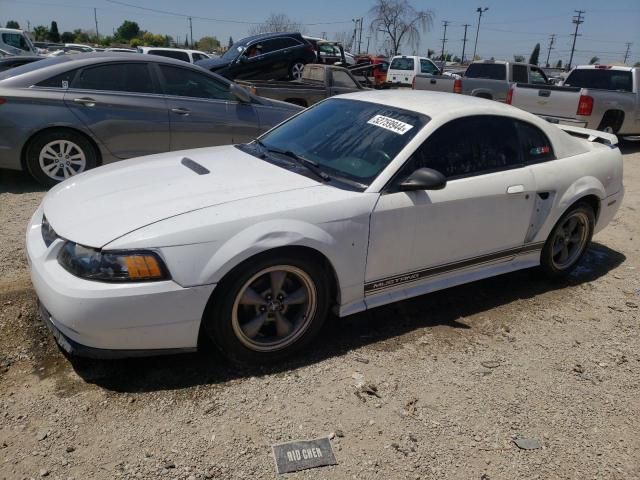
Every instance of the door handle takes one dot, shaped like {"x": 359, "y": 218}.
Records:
{"x": 432, "y": 81}
{"x": 181, "y": 111}
{"x": 86, "y": 101}
{"x": 515, "y": 189}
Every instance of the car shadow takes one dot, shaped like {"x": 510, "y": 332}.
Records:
{"x": 443, "y": 308}
{"x": 14, "y": 181}
{"x": 628, "y": 147}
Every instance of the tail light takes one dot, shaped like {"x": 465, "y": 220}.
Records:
{"x": 585, "y": 105}
{"x": 510, "y": 96}
{"x": 3, "y": 100}
{"x": 457, "y": 86}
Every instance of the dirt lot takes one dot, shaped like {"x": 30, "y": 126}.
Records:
{"x": 459, "y": 375}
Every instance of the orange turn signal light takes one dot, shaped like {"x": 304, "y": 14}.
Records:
{"x": 143, "y": 267}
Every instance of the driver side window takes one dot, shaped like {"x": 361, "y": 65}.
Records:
{"x": 469, "y": 146}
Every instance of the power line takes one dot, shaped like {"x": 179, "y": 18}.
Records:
{"x": 444, "y": 37}
{"x": 577, "y": 19}
{"x": 551, "y": 40}
{"x": 464, "y": 40}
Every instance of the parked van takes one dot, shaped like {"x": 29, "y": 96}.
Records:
{"x": 191, "y": 56}
{"x": 404, "y": 68}
{"x": 16, "y": 42}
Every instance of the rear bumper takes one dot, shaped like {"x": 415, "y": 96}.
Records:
{"x": 574, "y": 122}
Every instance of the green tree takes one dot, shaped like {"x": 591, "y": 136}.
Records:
{"x": 208, "y": 44}
{"x": 430, "y": 52}
{"x": 67, "y": 37}
{"x": 12, "y": 24}
{"x": 80, "y": 36}
{"x": 594, "y": 60}
{"x": 533, "y": 59}
{"x": 128, "y": 30}
{"x": 559, "y": 64}
{"x": 54, "y": 35}
{"x": 637, "y": 64}
{"x": 518, "y": 58}
{"x": 230, "y": 42}
{"x": 40, "y": 33}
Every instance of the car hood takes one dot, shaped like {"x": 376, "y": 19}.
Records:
{"x": 101, "y": 205}
{"x": 213, "y": 64}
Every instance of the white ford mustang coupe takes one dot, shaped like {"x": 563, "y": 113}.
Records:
{"x": 362, "y": 200}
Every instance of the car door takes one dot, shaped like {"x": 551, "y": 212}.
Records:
{"x": 479, "y": 218}
{"x": 203, "y": 111}
{"x": 123, "y": 107}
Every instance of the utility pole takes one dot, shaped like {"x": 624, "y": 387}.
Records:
{"x": 551, "y": 40}
{"x": 368, "y": 38}
{"x": 445, "y": 23}
{"x": 95, "y": 17}
{"x": 577, "y": 19}
{"x": 28, "y": 26}
{"x": 191, "y": 29}
{"x": 480, "y": 11}
{"x": 626, "y": 54}
{"x": 464, "y": 40}
{"x": 360, "y": 36}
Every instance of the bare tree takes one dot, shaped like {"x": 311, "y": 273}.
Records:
{"x": 399, "y": 22}
{"x": 345, "y": 38}
{"x": 277, "y": 22}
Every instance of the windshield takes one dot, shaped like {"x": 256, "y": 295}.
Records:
{"x": 348, "y": 139}
{"x": 601, "y": 79}
{"x": 401, "y": 63}
{"x": 493, "y": 71}
{"x": 234, "y": 51}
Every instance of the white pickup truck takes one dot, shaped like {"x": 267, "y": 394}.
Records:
{"x": 597, "y": 97}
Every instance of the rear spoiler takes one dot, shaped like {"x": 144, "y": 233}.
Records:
{"x": 608, "y": 139}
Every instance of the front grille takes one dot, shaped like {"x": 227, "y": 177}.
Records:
{"x": 49, "y": 235}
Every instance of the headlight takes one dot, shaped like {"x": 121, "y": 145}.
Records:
{"x": 123, "y": 266}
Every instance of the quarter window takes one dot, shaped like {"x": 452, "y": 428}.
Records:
{"x": 116, "y": 77}
{"x": 469, "y": 146}
{"x": 187, "y": 83}
{"x": 534, "y": 144}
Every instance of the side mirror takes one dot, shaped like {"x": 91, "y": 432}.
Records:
{"x": 240, "y": 93}
{"x": 423, "y": 179}
{"x": 242, "y": 58}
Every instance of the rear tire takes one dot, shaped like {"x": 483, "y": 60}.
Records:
{"x": 267, "y": 309}
{"x": 568, "y": 241}
{"x": 611, "y": 121}
{"x": 55, "y": 155}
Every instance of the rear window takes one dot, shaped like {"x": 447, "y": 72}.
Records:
{"x": 601, "y": 79}
{"x": 177, "y": 54}
{"x": 493, "y": 71}
{"x": 401, "y": 63}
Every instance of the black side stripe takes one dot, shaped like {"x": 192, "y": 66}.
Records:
{"x": 414, "y": 276}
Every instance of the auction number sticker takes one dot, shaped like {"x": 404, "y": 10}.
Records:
{"x": 390, "y": 124}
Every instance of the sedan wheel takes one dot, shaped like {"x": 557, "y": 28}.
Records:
{"x": 568, "y": 241}
{"x": 269, "y": 307}
{"x": 274, "y": 308}
{"x": 62, "y": 159}
{"x": 296, "y": 70}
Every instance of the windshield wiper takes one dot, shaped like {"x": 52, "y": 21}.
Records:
{"x": 310, "y": 165}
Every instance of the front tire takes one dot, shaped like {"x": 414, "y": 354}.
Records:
{"x": 568, "y": 241}
{"x": 267, "y": 309}
{"x": 55, "y": 155}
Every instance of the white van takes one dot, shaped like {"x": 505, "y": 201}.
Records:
{"x": 16, "y": 42}
{"x": 191, "y": 56}
{"x": 403, "y": 69}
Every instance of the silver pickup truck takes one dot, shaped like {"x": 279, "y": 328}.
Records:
{"x": 598, "y": 97}
{"x": 489, "y": 79}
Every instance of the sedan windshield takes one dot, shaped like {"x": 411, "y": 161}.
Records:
{"x": 232, "y": 53}
{"x": 348, "y": 139}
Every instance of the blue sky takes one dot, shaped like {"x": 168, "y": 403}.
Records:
{"x": 507, "y": 28}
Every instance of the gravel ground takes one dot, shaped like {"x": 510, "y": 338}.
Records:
{"x": 458, "y": 376}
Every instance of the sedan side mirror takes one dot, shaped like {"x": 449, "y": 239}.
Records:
{"x": 424, "y": 179}
{"x": 240, "y": 93}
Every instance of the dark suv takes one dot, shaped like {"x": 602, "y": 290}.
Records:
{"x": 270, "y": 56}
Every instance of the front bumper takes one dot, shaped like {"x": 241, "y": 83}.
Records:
{"x": 133, "y": 319}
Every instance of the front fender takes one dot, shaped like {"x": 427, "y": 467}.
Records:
{"x": 265, "y": 236}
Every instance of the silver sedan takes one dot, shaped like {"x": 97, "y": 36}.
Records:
{"x": 64, "y": 115}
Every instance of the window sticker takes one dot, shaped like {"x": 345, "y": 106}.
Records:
{"x": 390, "y": 124}
{"x": 539, "y": 150}
{"x": 65, "y": 84}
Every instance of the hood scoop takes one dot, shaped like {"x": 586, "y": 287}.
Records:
{"x": 195, "y": 166}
